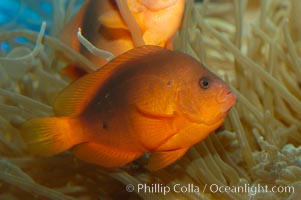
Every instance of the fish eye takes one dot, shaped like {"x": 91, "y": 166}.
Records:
{"x": 204, "y": 82}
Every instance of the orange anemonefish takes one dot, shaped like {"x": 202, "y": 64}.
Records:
{"x": 147, "y": 100}
{"x": 104, "y": 27}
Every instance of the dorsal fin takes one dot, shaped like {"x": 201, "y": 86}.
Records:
{"x": 74, "y": 98}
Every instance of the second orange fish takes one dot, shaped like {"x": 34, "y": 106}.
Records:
{"x": 103, "y": 25}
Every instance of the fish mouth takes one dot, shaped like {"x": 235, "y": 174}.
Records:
{"x": 157, "y": 5}
{"x": 227, "y": 99}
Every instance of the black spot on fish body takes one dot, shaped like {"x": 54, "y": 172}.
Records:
{"x": 169, "y": 84}
{"x": 105, "y": 125}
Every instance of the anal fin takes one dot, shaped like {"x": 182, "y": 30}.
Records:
{"x": 162, "y": 159}
{"x": 104, "y": 156}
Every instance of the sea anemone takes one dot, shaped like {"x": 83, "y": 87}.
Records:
{"x": 254, "y": 46}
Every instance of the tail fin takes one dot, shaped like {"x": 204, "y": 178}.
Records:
{"x": 51, "y": 135}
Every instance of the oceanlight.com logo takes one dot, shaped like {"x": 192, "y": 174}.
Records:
{"x": 208, "y": 188}
{"x": 251, "y": 189}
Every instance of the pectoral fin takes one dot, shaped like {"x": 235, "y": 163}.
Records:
{"x": 156, "y": 97}
{"x": 159, "y": 129}
{"x": 103, "y": 155}
{"x": 160, "y": 160}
